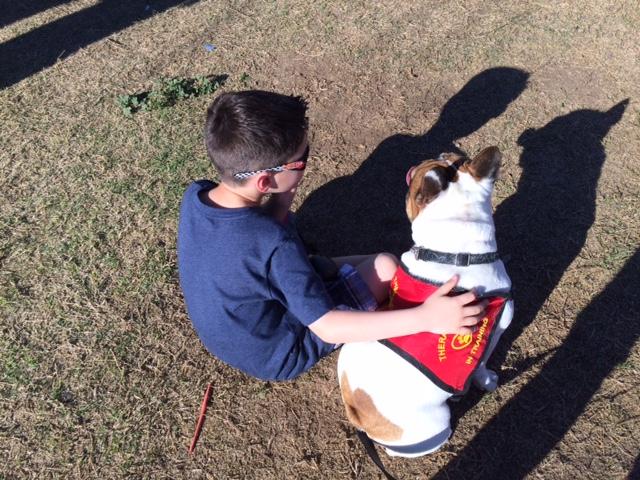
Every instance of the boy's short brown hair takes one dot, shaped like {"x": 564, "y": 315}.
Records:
{"x": 252, "y": 130}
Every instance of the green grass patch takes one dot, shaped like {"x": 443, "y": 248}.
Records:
{"x": 17, "y": 365}
{"x": 166, "y": 92}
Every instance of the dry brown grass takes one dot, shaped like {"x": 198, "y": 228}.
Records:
{"x": 102, "y": 374}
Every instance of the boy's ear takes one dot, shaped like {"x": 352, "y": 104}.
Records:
{"x": 263, "y": 182}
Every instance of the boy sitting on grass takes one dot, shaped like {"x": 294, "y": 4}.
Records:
{"x": 251, "y": 292}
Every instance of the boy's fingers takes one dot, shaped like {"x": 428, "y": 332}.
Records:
{"x": 465, "y": 331}
{"x": 472, "y": 310}
{"x": 466, "y": 298}
{"x": 471, "y": 321}
{"x": 448, "y": 286}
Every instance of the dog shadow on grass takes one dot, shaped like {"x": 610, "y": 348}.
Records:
{"x": 37, "y": 49}
{"x": 543, "y": 227}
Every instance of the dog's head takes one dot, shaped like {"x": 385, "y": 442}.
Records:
{"x": 432, "y": 177}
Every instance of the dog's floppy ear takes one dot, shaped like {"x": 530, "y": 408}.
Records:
{"x": 486, "y": 164}
{"x": 426, "y": 184}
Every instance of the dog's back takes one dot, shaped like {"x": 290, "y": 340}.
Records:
{"x": 449, "y": 204}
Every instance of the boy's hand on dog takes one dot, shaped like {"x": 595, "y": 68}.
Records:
{"x": 444, "y": 314}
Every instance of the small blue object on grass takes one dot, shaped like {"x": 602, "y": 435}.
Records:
{"x": 209, "y": 47}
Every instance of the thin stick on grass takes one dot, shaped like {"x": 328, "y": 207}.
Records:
{"x": 203, "y": 410}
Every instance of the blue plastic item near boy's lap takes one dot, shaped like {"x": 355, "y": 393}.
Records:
{"x": 351, "y": 291}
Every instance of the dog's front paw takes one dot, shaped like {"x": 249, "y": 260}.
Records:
{"x": 485, "y": 379}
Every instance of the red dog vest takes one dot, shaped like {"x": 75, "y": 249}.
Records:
{"x": 447, "y": 360}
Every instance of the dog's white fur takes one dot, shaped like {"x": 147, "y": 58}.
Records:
{"x": 459, "y": 219}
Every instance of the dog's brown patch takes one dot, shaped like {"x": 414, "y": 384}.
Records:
{"x": 423, "y": 188}
{"x": 362, "y": 412}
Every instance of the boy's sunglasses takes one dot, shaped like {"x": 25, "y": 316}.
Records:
{"x": 299, "y": 164}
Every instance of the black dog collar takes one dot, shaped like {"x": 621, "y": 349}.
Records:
{"x": 457, "y": 259}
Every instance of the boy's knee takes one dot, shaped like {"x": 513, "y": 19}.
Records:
{"x": 386, "y": 265}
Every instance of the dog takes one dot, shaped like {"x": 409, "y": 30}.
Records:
{"x": 388, "y": 392}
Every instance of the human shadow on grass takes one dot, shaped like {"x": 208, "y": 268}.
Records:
{"x": 41, "y": 47}
{"x": 13, "y": 11}
{"x": 543, "y": 227}
{"x": 364, "y": 212}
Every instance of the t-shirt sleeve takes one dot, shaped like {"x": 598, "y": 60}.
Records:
{"x": 294, "y": 282}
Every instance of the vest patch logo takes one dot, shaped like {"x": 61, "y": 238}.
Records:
{"x": 460, "y": 342}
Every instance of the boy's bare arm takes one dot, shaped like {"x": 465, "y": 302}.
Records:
{"x": 439, "y": 314}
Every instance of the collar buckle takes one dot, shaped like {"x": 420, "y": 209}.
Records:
{"x": 462, "y": 260}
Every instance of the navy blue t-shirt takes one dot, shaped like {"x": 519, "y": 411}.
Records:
{"x": 249, "y": 288}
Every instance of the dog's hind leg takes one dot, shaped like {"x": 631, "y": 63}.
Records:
{"x": 483, "y": 378}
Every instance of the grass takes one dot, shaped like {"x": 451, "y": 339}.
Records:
{"x": 166, "y": 92}
{"x": 101, "y": 374}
